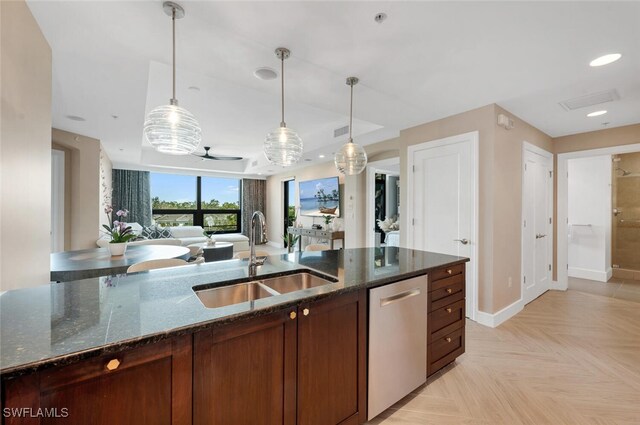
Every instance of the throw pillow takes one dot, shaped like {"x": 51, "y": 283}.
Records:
{"x": 150, "y": 232}
{"x": 163, "y": 233}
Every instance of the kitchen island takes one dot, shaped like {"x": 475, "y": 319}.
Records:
{"x": 143, "y": 348}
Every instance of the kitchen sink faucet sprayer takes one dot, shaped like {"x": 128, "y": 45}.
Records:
{"x": 253, "y": 261}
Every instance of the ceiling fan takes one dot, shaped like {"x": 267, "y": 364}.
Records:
{"x": 215, "y": 157}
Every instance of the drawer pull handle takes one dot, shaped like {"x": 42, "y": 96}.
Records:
{"x": 305, "y": 311}
{"x": 449, "y": 290}
{"x": 113, "y": 364}
{"x": 447, "y": 339}
{"x": 449, "y": 271}
{"x": 449, "y": 310}
{"x": 292, "y": 315}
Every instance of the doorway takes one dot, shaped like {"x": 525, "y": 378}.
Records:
{"x": 565, "y": 230}
{"x": 537, "y": 218}
{"x": 383, "y": 203}
{"x": 289, "y": 207}
{"x": 442, "y": 203}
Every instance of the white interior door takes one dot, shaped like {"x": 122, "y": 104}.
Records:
{"x": 444, "y": 198}
{"x": 537, "y": 230}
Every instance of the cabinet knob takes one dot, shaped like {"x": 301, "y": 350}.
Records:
{"x": 447, "y": 339}
{"x": 449, "y": 310}
{"x": 449, "y": 290}
{"x": 292, "y": 315}
{"x": 449, "y": 271}
{"x": 113, "y": 364}
{"x": 305, "y": 311}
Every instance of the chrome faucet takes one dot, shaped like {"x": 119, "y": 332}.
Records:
{"x": 253, "y": 261}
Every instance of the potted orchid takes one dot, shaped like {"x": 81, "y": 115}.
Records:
{"x": 120, "y": 232}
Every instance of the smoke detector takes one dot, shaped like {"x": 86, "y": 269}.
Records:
{"x": 265, "y": 73}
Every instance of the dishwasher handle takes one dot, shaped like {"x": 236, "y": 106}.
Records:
{"x": 399, "y": 297}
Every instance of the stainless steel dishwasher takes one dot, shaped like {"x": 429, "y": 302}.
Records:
{"x": 397, "y": 342}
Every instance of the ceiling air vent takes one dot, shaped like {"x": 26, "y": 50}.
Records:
{"x": 254, "y": 163}
{"x": 341, "y": 131}
{"x": 590, "y": 100}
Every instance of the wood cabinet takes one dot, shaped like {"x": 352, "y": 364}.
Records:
{"x": 147, "y": 385}
{"x": 446, "y": 317}
{"x": 301, "y": 366}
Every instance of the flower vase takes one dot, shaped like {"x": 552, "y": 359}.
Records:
{"x": 291, "y": 248}
{"x": 117, "y": 249}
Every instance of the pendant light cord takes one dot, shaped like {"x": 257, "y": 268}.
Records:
{"x": 351, "y": 115}
{"x": 282, "y": 123}
{"x": 173, "y": 25}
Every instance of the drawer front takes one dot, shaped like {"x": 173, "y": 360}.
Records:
{"x": 322, "y": 234}
{"x": 445, "y": 316}
{"x": 451, "y": 351}
{"x": 309, "y": 232}
{"x": 446, "y": 295}
{"x": 446, "y": 345}
{"x": 447, "y": 281}
{"x": 446, "y": 272}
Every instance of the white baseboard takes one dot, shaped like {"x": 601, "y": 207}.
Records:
{"x": 555, "y": 286}
{"x": 496, "y": 319}
{"x": 590, "y": 274}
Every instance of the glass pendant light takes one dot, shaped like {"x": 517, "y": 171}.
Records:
{"x": 351, "y": 159}
{"x": 169, "y": 128}
{"x": 283, "y": 146}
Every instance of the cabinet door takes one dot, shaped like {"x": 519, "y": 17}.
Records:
{"x": 245, "y": 374}
{"x": 148, "y": 385}
{"x": 331, "y": 361}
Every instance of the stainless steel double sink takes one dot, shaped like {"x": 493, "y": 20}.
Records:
{"x": 250, "y": 291}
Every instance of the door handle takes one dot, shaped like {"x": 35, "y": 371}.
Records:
{"x": 462, "y": 241}
{"x": 540, "y": 235}
{"x": 399, "y": 297}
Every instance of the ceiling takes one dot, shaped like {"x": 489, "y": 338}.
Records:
{"x": 111, "y": 65}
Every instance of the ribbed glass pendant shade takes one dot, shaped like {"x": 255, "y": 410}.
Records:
{"x": 283, "y": 146}
{"x": 173, "y": 130}
{"x": 351, "y": 159}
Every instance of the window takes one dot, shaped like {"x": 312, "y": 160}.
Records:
{"x": 210, "y": 202}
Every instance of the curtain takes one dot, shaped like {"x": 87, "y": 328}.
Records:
{"x": 132, "y": 191}
{"x": 254, "y": 194}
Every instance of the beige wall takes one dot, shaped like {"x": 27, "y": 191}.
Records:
{"x": 609, "y": 137}
{"x": 86, "y": 194}
{"x": 25, "y": 149}
{"x": 481, "y": 120}
{"x": 507, "y": 205}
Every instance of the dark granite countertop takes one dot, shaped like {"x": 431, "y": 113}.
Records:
{"x": 60, "y": 323}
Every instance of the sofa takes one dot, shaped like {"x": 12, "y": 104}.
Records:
{"x": 180, "y": 235}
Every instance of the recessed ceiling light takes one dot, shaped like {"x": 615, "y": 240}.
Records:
{"x": 75, "y": 118}
{"x": 259, "y": 174}
{"x": 308, "y": 159}
{"x": 321, "y": 156}
{"x": 596, "y": 113}
{"x": 606, "y": 59}
{"x": 380, "y": 17}
{"x": 265, "y": 73}
{"x": 121, "y": 149}
{"x": 115, "y": 117}
{"x": 194, "y": 88}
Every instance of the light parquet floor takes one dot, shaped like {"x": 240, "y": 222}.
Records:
{"x": 567, "y": 358}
